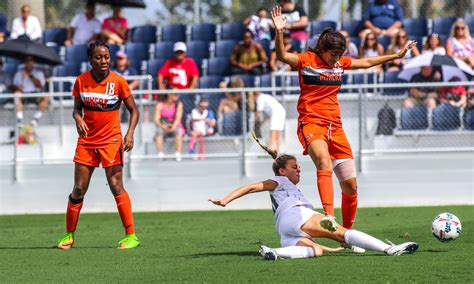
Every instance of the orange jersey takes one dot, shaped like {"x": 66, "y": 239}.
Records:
{"x": 101, "y": 103}
{"x": 319, "y": 84}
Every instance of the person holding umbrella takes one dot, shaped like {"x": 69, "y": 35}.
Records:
{"x": 98, "y": 94}
{"x": 29, "y": 80}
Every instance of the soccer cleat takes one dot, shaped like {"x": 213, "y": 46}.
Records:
{"x": 66, "y": 241}
{"x": 396, "y": 250}
{"x": 328, "y": 222}
{"x": 130, "y": 241}
{"x": 354, "y": 249}
{"x": 268, "y": 253}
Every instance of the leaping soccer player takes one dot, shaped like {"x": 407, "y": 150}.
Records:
{"x": 320, "y": 129}
{"x": 98, "y": 94}
{"x": 297, "y": 223}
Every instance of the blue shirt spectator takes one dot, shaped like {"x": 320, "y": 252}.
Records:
{"x": 383, "y": 17}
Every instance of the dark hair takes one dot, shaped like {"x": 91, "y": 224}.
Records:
{"x": 433, "y": 35}
{"x": 329, "y": 39}
{"x": 93, "y": 45}
{"x": 279, "y": 161}
{"x": 262, "y": 9}
{"x": 364, "y": 43}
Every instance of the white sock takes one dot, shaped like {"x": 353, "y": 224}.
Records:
{"x": 38, "y": 115}
{"x": 362, "y": 240}
{"x": 19, "y": 115}
{"x": 295, "y": 252}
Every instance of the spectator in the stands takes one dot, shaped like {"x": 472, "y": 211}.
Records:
{"x": 423, "y": 96}
{"x": 3, "y": 28}
{"x": 434, "y": 45}
{"x": 122, "y": 67}
{"x": 168, "y": 120}
{"x": 179, "y": 72}
{"x": 455, "y": 95}
{"x": 296, "y": 19}
{"x": 230, "y": 103}
{"x": 268, "y": 108}
{"x": 248, "y": 57}
{"x": 352, "y": 50}
{"x": 26, "y": 25}
{"x": 203, "y": 122}
{"x": 277, "y": 65}
{"x": 399, "y": 41}
{"x": 370, "y": 48}
{"x": 460, "y": 43}
{"x": 115, "y": 28}
{"x": 26, "y": 81}
{"x": 259, "y": 25}
{"x": 382, "y": 17}
{"x": 84, "y": 27}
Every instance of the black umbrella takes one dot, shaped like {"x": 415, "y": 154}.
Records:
{"x": 21, "y": 48}
{"x": 122, "y": 3}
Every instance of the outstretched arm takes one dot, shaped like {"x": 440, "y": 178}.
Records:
{"x": 268, "y": 185}
{"x": 279, "y": 21}
{"x": 372, "y": 61}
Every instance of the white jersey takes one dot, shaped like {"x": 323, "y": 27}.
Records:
{"x": 286, "y": 195}
{"x": 269, "y": 105}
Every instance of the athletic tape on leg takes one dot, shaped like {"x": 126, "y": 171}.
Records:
{"x": 345, "y": 170}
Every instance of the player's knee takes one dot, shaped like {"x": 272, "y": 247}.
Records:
{"x": 79, "y": 191}
{"x": 324, "y": 164}
{"x": 116, "y": 186}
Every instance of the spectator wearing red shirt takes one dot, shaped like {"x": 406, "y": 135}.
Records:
{"x": 180, "y": 72}
{"x": 115, "y": 28}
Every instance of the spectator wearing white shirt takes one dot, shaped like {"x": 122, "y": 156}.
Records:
{"x": 434, "y": 45}
{"x": 268, "y": 108}
{"x": 26, "y": 25}
{"x": 203, "y": 121}
{"x": 84, "y": 27}
{"x": 29, "y": 80}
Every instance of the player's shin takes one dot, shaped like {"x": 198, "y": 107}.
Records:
{"x": 295, "y": 252}
{"x": 72, "y": 214}
{"x": 363, "y": 240}
{"x": 326, "y": 191}
{"x": 124, "y": 206}
{"x": 348, "y": 208}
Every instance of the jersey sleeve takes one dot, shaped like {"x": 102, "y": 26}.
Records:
{"x": 124, "y": 89}
{"x": 346, "y": 62}
{"x": 302, "y": 58}
{"x": 279, "y": 180}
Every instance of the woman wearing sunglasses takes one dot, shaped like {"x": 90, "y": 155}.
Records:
{"x": 460, "y": 43}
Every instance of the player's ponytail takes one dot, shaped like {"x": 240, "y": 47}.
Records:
{"x": 279, "y": 161}
{"x": 329, "y": 39}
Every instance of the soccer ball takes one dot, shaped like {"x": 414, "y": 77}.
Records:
{"x": 446, "y": 227}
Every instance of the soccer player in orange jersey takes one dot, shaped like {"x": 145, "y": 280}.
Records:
{"x": 320, "y": 130}
{"x": 98, "y": 94}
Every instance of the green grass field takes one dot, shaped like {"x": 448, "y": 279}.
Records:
{"x": 222, "y": 247}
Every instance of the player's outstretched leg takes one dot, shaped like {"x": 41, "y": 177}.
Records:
{"x": 286, "y": 252}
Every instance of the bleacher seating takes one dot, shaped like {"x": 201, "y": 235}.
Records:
{"x": 113, "y": 48}
{"x": 56, "y": 36}
{"x": 442, "y": 26}
{"x": 470, "y": 23}
{"x": 164, "y": 50}
{"x": 446, "y": 117}
{"x": 224, "y": 48}
{"x": 144, "y": 34}
{"x": 298, "y": 45}
{"x": 10, "y": 68}
{"x": 233, "y": 31}
{"x": 153, "y": 66}
{"x": 266, "y": 46}
{"x": 204, "y": 32}
{"x": 312, "y": 41}
{"x": 385, "y": 41}
{"x": 214, "y": 100}
{"x": 414, "y": 118}
{"x": 353, "y": 27}
{"x": 249, "y": 80}
{"x": 356, "y": 40}
{"x": 66, "y": 70}
{"x": 231, "y": 123}
{"x": 391, "y": 77}
{"x": 318, "y": 26}
{"x": 173, "y": 32}
{"x": 266, "y": 80}
{"x": 137, "y": 52}
{"x": 218, "y": 66}
{"x": 198, "y": 49}
{"x": 76, "y": 53}
{"x": 208, "y": 82}
{"x": 468, "y": 118}
{"x": 416, "y": 27}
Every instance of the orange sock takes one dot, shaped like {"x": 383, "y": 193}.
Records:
{"x": 124, "y": 206}
{"x": 326, "y": 191}
{"x": 72, "y": 215}
{"x": 349, "y": 208}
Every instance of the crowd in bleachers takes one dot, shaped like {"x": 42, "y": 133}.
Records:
{"x": 213, "y": 54}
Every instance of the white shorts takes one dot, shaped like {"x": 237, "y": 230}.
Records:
{"x": 290, "y": 222}
{"x": 277, "y": 120}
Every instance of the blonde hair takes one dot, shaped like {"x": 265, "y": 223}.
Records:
{"x": 467, "y": 34}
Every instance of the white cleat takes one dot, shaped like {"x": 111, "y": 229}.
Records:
{"x": 328, "y": 222}
{"x": 268, "y": 253}
{"x": 354, "y": 249}
{"x": 396, "y": 250}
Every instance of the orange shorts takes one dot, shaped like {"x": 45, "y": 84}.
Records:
{"x": 109, "y": 156}
{"x": 338, "y": 145}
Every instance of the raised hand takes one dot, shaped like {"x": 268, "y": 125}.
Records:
{"x": 278, "y": 20}
{"x": 407, "y": 47}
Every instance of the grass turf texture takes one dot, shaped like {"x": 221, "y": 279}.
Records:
{"x": 222, "y": 247}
